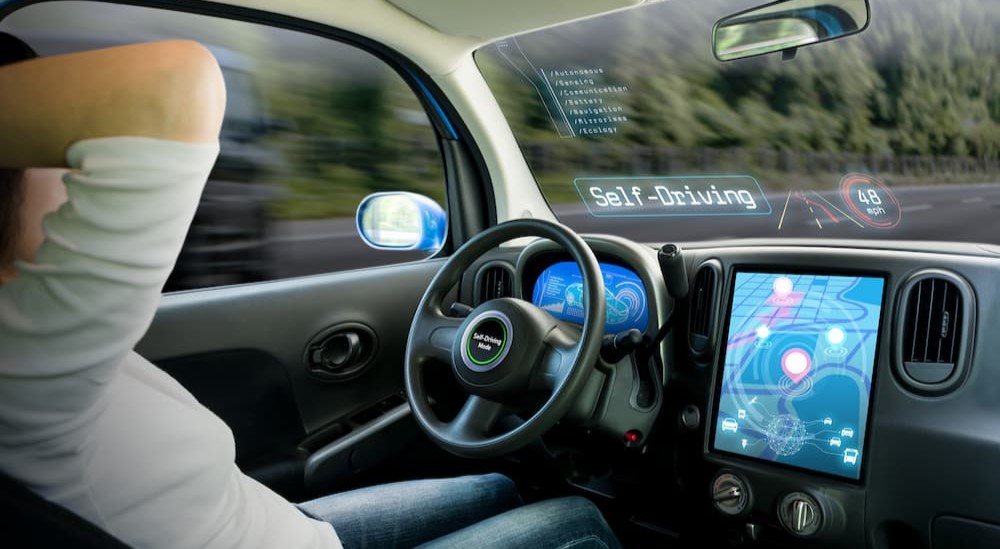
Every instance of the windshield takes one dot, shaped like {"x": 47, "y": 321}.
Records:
{"x": 632, "y": 127}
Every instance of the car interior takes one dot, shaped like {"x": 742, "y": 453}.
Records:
{"x": 727, "y": 269}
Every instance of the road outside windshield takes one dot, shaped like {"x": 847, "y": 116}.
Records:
{"x": 631, "y": 127}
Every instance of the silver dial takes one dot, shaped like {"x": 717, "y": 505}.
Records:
{"x": 800, "y": 514}
{"x": 730, "y": 494}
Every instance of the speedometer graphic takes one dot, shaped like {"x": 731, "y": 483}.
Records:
{"x": 626, "y": 300}
{"x": 871, "y": 200}
{"x": 631, "y": 296}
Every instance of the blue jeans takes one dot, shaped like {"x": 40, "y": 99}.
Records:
{"x": 478, "y": 512}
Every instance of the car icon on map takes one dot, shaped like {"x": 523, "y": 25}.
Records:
{"x": 851, "y": 456}
{"x": 827, "y": 421}
{"x": 847, "y": 432}
{"x": 835, "y": 441}
{"x": 729, "y": 424}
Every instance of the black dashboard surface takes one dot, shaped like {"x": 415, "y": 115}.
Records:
{"x": 927, "y": 477}
{"x": 929, "y": 449}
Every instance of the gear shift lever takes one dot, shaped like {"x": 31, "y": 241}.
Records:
{"x": 673, "y": 270}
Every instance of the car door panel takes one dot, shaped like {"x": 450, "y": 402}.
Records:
{"x": 240, "y": 350}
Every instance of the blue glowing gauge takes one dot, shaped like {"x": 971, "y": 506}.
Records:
{"x": 559, "y": 290}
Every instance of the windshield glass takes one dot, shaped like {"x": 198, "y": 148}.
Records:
{"x": 632, "y": 127}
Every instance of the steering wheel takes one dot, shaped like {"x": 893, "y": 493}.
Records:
{"x": 503, "y": 348}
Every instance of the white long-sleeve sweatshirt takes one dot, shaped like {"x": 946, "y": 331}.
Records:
{"x": 86, "y": 422}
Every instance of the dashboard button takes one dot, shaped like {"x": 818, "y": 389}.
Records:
{"x": 691, "y": 417}
{"x": 633, "y": 438}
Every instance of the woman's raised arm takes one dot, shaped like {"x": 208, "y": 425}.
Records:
{"x": 168, "y": 90}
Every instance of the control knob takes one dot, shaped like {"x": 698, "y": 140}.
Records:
{"x": 800, "y": 514}
{"x": 730, "y": 494}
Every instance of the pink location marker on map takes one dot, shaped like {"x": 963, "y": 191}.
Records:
{"x": 783, "y": 287}
{"x": 796, "y": 364}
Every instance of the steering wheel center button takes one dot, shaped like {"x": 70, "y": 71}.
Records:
{"x": 486, "y": 341}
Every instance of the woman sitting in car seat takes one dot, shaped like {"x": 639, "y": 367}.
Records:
{"x": 105, "y": 154}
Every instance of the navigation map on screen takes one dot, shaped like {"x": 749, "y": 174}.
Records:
{"x": 797, "y": 372}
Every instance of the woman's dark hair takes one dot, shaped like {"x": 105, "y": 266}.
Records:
{"x": 12, "y": 50}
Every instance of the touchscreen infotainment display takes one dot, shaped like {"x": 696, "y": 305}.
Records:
{"x": 559, "y": 290}
{"x": 797, "y": 370}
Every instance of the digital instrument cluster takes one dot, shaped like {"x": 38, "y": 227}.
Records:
{"x": 559, "y": 290}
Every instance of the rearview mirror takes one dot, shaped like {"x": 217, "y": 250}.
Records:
{"x": 402, "y": 221}
{"x": 786, "y": 25}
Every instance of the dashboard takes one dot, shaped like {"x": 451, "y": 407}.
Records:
{"x": 809, "y": 392}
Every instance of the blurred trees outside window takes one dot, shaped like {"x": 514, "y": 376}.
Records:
{"x": 312, "y": 126}
{"x": 914, "y": 99}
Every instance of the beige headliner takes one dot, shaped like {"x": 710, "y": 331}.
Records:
{"x": 438, "y": 34}
{"x": 489, "y": 19}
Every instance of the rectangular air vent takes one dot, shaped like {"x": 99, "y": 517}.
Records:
{"x": 702, "y": 300}
{"x": 932, "y": 328}
{"x": 494, "y": 282}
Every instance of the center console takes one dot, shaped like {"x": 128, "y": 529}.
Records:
{"x": 798, "y": 363}
{"x": 810, "y": 394}
{"x": 791, "y": 397}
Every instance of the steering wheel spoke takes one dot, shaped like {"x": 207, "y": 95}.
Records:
{"x": 434, "y": 335}
{"x": 477, "y": 418}
{"x": 562, "y": 346}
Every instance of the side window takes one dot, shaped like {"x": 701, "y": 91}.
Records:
{"x": 312, "y": 127}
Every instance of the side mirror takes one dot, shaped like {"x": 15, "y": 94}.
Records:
{"x": 787, "y": 25}
{"x": 402, "y": 221}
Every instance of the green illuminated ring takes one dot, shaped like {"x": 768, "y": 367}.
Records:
{"x": 503, "y": 347}
{"x": 487, "y": 365}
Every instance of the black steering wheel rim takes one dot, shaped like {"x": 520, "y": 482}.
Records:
{"x": 431, "y": 328}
